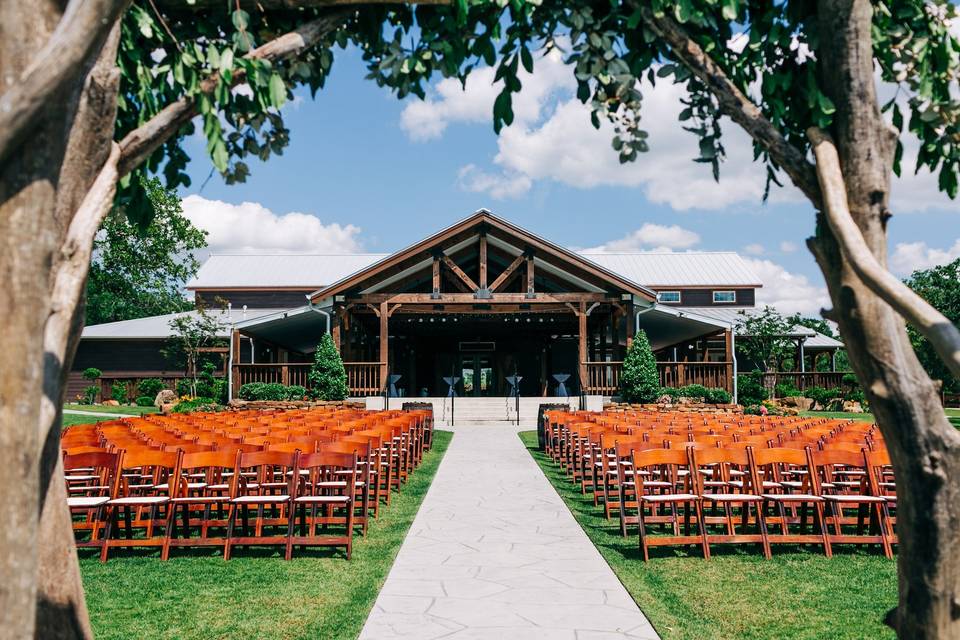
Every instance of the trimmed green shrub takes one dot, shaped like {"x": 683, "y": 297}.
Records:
{"x": 144, "y": 401}
{"x": 822, "y": 396}
{"x": 91, "y": 373}
{"x": 150, "y": 387}
{"x": 296, "y": 392}
{"x": 90, "y": 393}
{"x": 750, "y": 389}
{"x": 183, "y": 387}
{"x": 119, "y": 392}
{"x": 786, "y": 390}
{"x": 328, "y": 378}
{"x": 197, "y": 404}
{"x": 712, "y": 395}
{"x": 263, "y": 391}
{"x": 640, "y": 381}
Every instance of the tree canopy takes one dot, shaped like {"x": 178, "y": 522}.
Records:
{"x": 138, "y": 272}
{"x": 940, "y": 286}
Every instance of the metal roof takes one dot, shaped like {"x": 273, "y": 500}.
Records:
{"x": 731, "y": 315}
{"x": 275, "y": 270}
{"x": 313, "y": 271}
{"x": 158, "y": 327}
{"x": 690, "y": 269}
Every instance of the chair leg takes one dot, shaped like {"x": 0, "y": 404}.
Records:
{"x": 701, "y": 525}
{"x": 231, "y": 520}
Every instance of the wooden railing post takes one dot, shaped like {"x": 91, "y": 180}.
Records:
{"x": 284, "y": 375}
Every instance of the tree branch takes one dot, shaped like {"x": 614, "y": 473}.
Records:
{"x": 71, "y": 272}
{"x": 734, "y": 103}
{"x": 935, "y": 327}
{"x": 137, "y": 145}
{"x": 277, "y": 5}
{"x": 79, "y": 35}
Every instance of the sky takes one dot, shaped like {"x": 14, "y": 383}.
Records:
{"x": 366, "y": 172}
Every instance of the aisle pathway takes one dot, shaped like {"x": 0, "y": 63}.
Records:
{"x": 494, "y": 553}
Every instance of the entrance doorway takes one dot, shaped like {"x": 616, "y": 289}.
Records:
{"x": 477, "y": 375}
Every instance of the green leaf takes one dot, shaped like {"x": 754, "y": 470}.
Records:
{"x": 526, "y": 59}
{"x": 240, "y": 19}
{"x": 277, "y": 90}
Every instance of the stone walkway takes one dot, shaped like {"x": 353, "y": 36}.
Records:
{"x": 106, "y": 416}
{"x": 494, "y": 553}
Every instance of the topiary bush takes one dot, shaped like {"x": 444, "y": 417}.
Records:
{"x": 716, "y": 395}
{"x": 328, "y": 378}
{"x": 750, "y": 389}
{"x": 150, "y": 387}
{"x": 296, "y": 392}
{"x": 144, "y": 401}
{"x": 271, "y": 391}
{"x": 640, "y": 381}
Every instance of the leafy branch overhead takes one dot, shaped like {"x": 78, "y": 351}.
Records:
{"x": 169, "y": 54}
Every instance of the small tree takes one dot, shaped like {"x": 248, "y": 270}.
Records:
{"x": 328, "y": 378}
{"x": 764, "y": 338}
{"x": 91, "y": 391}
{"x": 192, "y": 334}
{"x": 641, "y": 380}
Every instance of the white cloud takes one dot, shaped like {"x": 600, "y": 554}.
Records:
{"x": 754, "y": 249}
{"x": 250, "y": 227}
{"x": 788, "y": 247}
{"x": 788, "y": 292}
{"x": 650, "y": 237}
{"x": 428, "y": 119}
{"x": 499, "y": 186}
{"x": 908, "y": 257}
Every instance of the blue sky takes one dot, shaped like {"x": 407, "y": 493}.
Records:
{"x": 397, "y": 171}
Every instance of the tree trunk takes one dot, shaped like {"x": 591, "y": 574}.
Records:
{"x": 41, "y": 187}
{"x": 924, "y": 447}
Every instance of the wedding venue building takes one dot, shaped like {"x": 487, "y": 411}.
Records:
{"x": 481, "y": 303}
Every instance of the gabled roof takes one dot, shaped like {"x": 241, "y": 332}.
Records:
{"x": 501, "y": 230}
{"x": 279, "y": 270}
{"x": 158, "y": 327}
{"x": 691, "y": 269}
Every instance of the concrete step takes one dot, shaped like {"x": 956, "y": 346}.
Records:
{"x": 479, "y": 410}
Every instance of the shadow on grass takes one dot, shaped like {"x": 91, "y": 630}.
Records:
{"x": 738, "y": 594}
{"x": 196, "y": 594}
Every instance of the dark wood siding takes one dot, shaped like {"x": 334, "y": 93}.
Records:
{"x": 123, "y": 355}
{"x": 704, "y": 297}
{"x": 256, "y": 299}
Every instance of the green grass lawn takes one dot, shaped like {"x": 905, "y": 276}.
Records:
{"x": 255, "y": 594}
{"x": 738, "y": 594}
{"x": 953, "y": 415}
{"x": 102, "y": 409}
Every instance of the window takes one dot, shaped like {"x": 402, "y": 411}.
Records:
{"x": 724, "y": 296}
{"x": 668, "y": 296}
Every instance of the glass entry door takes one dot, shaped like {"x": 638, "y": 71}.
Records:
{"x": 476, "y": 373}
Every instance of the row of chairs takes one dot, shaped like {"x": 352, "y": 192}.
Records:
{"x": 770, "y": 481}
{"x": 293, "y": 479}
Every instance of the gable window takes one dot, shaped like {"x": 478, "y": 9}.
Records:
{"x": 668, "y": 296}
{"x": 724, "y": 297}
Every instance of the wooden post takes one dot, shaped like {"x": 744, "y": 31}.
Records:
{"x": 436, "y": 277}
{"x": 384, "y": 343}
{"x": 531, "y": 290}
{"x": 235, "y": 346}
{"x": 483, "y": 261}
{"x": 630, "y": 318}
{"x": 728, "y": 349}
{"x": 582, "y": 337}
{"x": 335, "y": 329}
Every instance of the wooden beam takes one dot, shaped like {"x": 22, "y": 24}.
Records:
{"x": 728, "y": 351}
{"x": 509, "y": 298}
{"x": 392, "y": 309}
{"x": 483, "y": 261}
{"x": 375, "y": 310}
{"x": 335, "y": 329}
{"x": 436, "y": 276}
{"x": 456, "y": 282}
{"x": 235, "y": 374}
{"x": 467, "y": 280}
{"x": 502, "y": 278}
